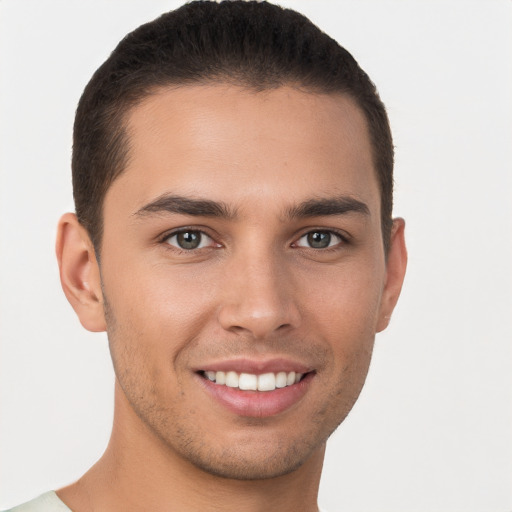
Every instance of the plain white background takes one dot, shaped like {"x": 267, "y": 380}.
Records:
{"x": 432, "y": 431}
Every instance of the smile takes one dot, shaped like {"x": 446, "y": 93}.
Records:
{"x": 252, "y": 382}
{"x": 256, "y": 388}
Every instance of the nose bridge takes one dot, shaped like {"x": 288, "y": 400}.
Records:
{"x": 259, "y": 294}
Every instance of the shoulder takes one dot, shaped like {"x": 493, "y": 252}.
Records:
{"x": 48, "y": 502}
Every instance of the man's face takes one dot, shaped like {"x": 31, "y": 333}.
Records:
{"x": 244, "y": 237}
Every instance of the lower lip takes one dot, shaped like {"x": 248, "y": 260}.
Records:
{"x": 258, "y": 404}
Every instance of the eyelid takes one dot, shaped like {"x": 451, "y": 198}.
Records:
{"x": 183, "y": 229}
{"x": 343, "y": 237}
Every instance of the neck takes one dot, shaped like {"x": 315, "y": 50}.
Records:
{"x": 138, "y": 471}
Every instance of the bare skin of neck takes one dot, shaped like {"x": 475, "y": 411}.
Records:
{"x": 137, "y": 472}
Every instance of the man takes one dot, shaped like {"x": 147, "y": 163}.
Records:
{"x": 232, "y": 174}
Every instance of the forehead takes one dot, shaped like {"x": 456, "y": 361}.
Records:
{"x": 222, "y": 140}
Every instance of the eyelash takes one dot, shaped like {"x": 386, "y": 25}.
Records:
{"x": 164, "y": 240}
{"x": 343, "y": 239}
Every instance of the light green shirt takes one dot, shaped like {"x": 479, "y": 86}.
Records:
{"x": 47, "y": 502}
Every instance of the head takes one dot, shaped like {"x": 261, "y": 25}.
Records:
{"x": 255, "y": 45}
{"x": 232, "y": 168}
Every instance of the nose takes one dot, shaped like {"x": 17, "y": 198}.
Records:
{"x": 258, "y": 298}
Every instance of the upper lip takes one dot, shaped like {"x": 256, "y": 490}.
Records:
{"x": 256, "y": 366}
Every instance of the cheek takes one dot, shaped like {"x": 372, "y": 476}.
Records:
{"x": 156, "y": 313}
{"x": 343, "y": 312}
{"x": 161, "y": 295}
{"x": 344, "y": 300}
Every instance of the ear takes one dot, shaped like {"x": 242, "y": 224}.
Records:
{"x": 395, "y": 273}
{"x": 80, "y": 273}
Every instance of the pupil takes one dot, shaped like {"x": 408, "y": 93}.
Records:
{"x": 319, "y": 239}
{"x": 188, "y": 239}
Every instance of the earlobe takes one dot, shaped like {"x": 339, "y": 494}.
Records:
{"x": 79, "y": 273}
{"x": 395, "y": 273}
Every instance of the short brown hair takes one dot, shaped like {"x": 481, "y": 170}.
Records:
{"x": 252, "y": 44}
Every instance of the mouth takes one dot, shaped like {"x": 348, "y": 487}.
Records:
{"x": 253, "y": 382}
{"x": 256, "y": 391}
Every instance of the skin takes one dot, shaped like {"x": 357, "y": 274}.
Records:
{"x": 254, "y": 289}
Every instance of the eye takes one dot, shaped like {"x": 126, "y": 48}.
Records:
{"x": 320, "y": 239}
{"x": 189, "y": 239}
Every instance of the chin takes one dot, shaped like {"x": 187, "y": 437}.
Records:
{"x": 255, "y": 454}
{"x": 235, "y": 465}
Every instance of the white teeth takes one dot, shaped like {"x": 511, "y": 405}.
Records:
{"x": 266, "y": 382}
{"x": 232, "y": 379}
{"x": 252, "y": 382}
{"x": 248, "y": 381}
{"x": 281, "y": 379}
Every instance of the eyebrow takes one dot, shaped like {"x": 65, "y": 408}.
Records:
{"x": 186, "y": 206}
{"x": 328, "y": 206}
{"x": 208, "y": 208}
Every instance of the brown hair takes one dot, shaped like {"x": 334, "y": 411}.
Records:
{"x": 252, "y": 44}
